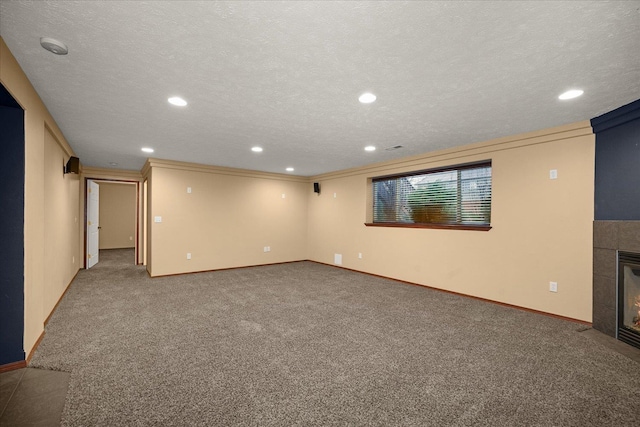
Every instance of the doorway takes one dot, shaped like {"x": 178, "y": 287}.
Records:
{"x": 111, "y": 218}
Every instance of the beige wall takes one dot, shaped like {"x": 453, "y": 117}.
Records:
{"x": 117, "y": 215}
{"x": 61, "y": 225}
{"x": 542, "y": 228}
{"x": 50, "y": 241}
{"x": 226, "y": 221}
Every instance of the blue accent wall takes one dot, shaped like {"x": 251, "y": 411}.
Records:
{"x": 11, "y": 230}
{"x": 617, "y": 174}
{"x": 6, "y": 100}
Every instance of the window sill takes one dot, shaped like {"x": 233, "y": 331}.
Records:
{"x": 435, "y": 226}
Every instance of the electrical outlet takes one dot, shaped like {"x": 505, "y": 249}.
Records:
{"x": 188, "y": 255}
{"x": 130, "y": 237}
{"x": 337, "y": 259}
{"x": 267, "y": 248}
{"x": 553, "y": 174}
{"x": 73, "y": 260}
{"x": 188, "y": 190}
{"x": 553, "y": 286}
{"x": 284, "y": 195}
{"x": 360, "y": 255}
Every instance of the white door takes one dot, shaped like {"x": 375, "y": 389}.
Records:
{"x": 93, "y": 221}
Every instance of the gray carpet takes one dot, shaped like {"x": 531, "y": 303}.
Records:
{"x": 312, "y": 345}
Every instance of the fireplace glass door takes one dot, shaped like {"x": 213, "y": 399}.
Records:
{"x": 629, "y": 298}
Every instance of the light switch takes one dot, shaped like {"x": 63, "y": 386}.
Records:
{"x": 189, "y": 190}
{"x": 157, "y": 219}
{"x": 553, "y": 174}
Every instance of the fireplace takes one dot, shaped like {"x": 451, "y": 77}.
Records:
{"x": 628, "y": 307}
{"x": 616, "y": 244}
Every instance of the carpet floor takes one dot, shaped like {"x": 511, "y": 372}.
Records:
{"x": 312, "y": 345}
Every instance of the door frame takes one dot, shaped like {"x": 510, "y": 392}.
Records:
{"x": 86, "y": 195}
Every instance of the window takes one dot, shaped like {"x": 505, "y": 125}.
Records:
{"x": 452, "y": 197}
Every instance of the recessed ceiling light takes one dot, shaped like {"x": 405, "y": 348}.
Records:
{"x": 369, "y": 148}
{"x": 367, "y": 98}
{"x": 54, "y": 46}
{"x": 257, "y": 149}
{"x": 176, "y": 100}
{"x": 290, "y": 169}
{"x": 147, "y": 150}
{"x": 570, "y": 94}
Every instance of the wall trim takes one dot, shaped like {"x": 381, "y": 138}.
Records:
{"x": 504, "y": 304}
{"x": 60, "y": 299}
{"x": 403, "y": 164}
{"x": 470, "y": 151}
{"x": 66, "y": 148}
{"x": 23, "y": 363}
{"x": 111, "y": 174}
{"x": 463, "y": 227}
{"x": 219, "y": 170}
{"x": 35, "y": 347}
{"x": 225, "y": 268}
{"x": 46, "y": 321}
{"x": 13, "y": 366}
{"x": 617, "y": 117}
{"x": 139, "y": 213}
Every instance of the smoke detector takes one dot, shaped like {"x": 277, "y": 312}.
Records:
{"x": 54, "y": 46}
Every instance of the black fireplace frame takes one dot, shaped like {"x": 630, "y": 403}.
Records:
{"x": 623, "y": 333}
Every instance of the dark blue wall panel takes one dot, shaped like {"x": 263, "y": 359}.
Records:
{"x": 6, "y": 100}
{"x": 617, "y": 174}
{"x": 11, "y": 232}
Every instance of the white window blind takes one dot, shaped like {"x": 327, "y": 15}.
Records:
{"x": 457, "y": 195}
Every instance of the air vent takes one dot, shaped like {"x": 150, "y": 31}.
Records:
{"x": 395, "y": 147}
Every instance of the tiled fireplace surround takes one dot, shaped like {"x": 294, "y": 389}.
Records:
{"x": 608, "y": 238}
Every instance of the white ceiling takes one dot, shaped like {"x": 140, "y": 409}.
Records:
{"x": 287, "y": 75}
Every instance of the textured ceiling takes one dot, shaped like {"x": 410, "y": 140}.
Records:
{"x": 287, "y": 75}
